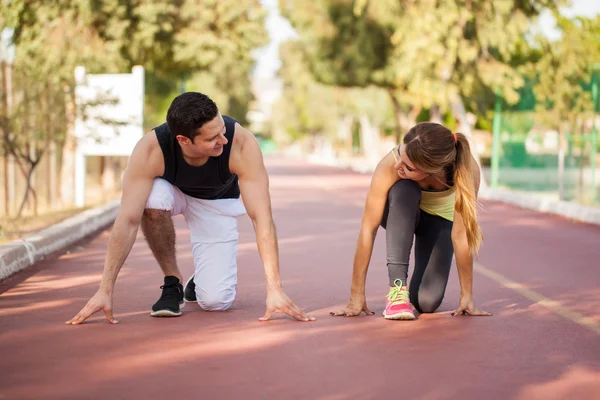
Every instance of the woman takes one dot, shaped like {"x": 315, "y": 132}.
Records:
{"x": 426, "y": 188}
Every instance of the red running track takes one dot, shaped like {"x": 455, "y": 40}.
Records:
{"x": 530, "y": 348}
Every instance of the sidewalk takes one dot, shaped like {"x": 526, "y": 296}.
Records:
{"x": 20, "y": 254}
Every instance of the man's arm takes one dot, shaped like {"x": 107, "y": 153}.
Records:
{"x": 254, "y": 187}
{"x": 137, "y": 184}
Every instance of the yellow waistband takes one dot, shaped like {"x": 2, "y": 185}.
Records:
{"x": 439, "y": 203}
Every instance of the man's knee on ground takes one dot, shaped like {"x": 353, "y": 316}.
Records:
{"x": 215, "y": 300}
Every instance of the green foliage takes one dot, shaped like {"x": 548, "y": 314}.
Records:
{"x": 309, "y": 107}
{"x": 562, "y": 70}
{"x": 518, "y": 123}
{"x": 426, "y": 53}
{"x": 306, "y": 107}
{"x": 209, "y": 43}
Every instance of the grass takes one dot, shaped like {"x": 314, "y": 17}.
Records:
{"x": 17, "y": 228}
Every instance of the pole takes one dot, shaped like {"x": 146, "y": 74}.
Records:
{"x": 4, "y": 116}
{"x": 182, "y": 84}
{"x": 496, "y": 141}
{"x": 594, "y": 138}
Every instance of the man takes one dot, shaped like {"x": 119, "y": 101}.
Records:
{"x": 196, "y": 164}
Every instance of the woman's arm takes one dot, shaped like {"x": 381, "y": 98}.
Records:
{"x": 383, "y": 179}
{"x": 464, "y": 257}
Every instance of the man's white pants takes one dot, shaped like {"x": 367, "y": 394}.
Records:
{"x": 214, "y": 240}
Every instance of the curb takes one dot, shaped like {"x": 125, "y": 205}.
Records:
{"x": 573, "y": 211}
{"x": 20, "y": 254}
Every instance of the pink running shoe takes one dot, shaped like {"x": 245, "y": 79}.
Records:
{"x": 398, "y": 304}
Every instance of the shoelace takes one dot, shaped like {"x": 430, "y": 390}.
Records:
{"x": 397, "y": 295}
{"x": 169, "y": 293}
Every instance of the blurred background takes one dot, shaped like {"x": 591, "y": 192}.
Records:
{"x": 336, "y": 82}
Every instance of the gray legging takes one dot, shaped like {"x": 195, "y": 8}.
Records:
{"x": 403, "y": 220}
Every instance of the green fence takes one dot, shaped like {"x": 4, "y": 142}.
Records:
{"x": 267, "y": 145}
{"x": 528, "y": 159}
{"x": 525, "y": 154}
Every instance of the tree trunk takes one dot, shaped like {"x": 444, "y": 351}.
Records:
{"x": 397, "y": 114}
{"x": 369, "y": 140}
{"x": 412, "y": 116}
{"x": 103, "y": 173}
{"x": 33, "y": 156}
{"x": 5, "y": 118}
{"x": 465, "y": 127}
{"x": 581, "y": 183}
{"x": 52, "y": 174}
{"x": 12, "y": 183}
{"x": 435, "y": 114}
{"x": 6, "y": 187}
{"x": 51, "y": 146}
{"x": 26, "y": 194}
{"x": 51, "y": 164}
{"x": 403, "y": 121}
{"x": 109, "y": 175}
{"x": 28, "y": 175}
{"x": 34, "y": 195}
{"x": 579, "y": 126}
{"x": 460, "y": 114}
{"x": 344, "y": 130}
{"x": 67, "y": 169}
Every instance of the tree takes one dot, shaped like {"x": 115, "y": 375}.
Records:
{"x": 306, "y": 107}
{"x": 45, "y": 60}
{"x": 458, "y": 50}
{"x": 562, "y": 68}
{"x": 311, "y": 108}
{"x": 438, "y": 54}
{"x": 343, "y": 49}
{"x": 172, "y": 40}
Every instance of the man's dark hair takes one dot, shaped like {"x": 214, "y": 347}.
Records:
{"x": 189, "y": 112}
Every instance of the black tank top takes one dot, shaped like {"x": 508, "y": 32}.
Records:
{"x": 210, "y": 181}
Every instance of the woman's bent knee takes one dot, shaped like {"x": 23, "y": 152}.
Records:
{"x": 426, "y": 304}
{"x": 404, "y": 189}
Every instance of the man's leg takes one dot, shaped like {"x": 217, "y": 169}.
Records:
{"x": 159, "y": 231}
{"x": 157, "y": 224}
{"x": 214, "y": 237}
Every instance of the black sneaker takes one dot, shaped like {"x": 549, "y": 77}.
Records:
{"x": 171, "y": 302}
{"x": 189, "y": 292}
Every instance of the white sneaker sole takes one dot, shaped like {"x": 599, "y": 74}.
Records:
{"x": 400, "y": 316}
{"x": 168, "y": 313}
